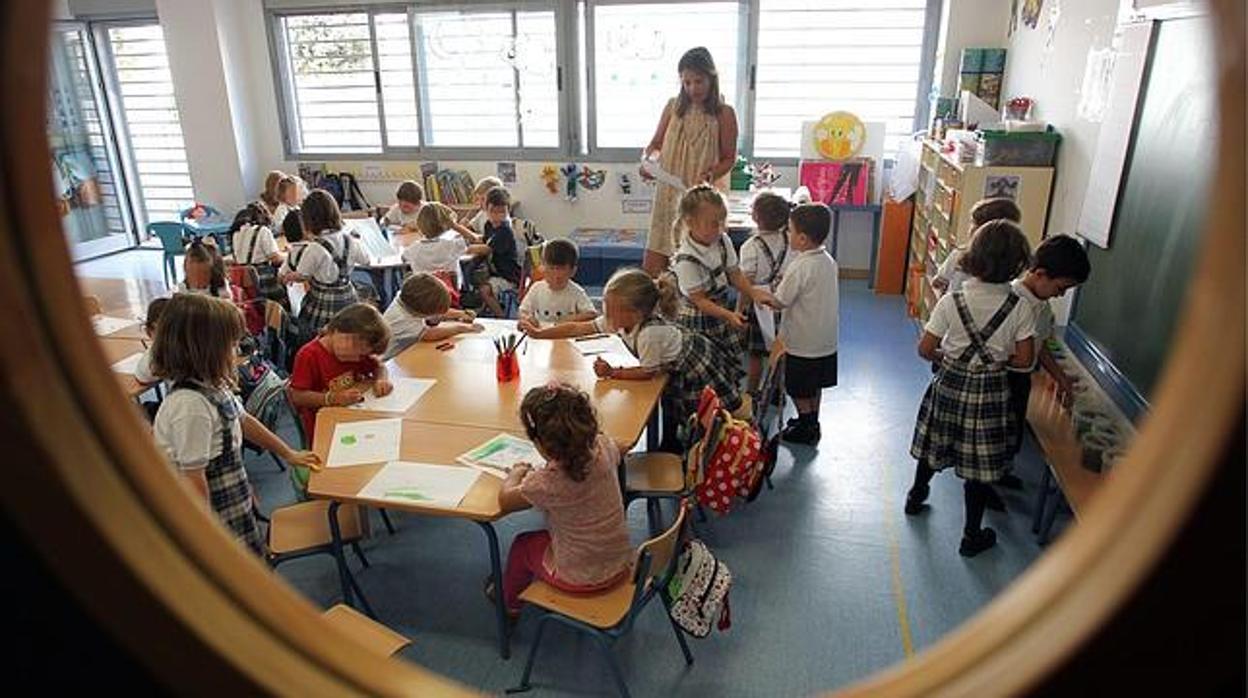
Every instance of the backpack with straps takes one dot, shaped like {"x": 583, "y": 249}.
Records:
{"x": 353, "y": 198}
{"x": 332, "y": 183}
{"x": 729, "y": 453}
{"x": 699, "y": 591}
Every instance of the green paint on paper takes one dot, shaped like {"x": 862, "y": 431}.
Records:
{"x": 348, "y": 440}
{"x": 407, "y": 494}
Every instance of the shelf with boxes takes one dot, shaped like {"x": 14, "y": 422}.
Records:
{"x": 947, "y": 189}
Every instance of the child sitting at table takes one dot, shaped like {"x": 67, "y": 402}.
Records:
{"x": 408, "y": 201}
{"x": 556, "y": 298}
{"x": 287, "y": 200}
{"x": 442, "y": 243}
{"x": 422, "y": 313}
{"x": 476, "y": 216}
{"x": 640, "y": 308}
{"x": 585, "y": 546}
{"x": 336, "y": 368}
{"x": 201, "y": 423}
{"x": 204, "y": 270}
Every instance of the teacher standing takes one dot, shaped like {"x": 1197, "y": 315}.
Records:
{"x": 697, "y": 141}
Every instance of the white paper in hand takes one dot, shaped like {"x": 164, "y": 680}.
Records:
{"x": 405, "y": 394}
{"x": 766, "y": 323}
{"x": 371, "y": 441}
{"x": 654, "y": 169}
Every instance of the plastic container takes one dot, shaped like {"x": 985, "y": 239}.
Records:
{"x": 506, "y": 367}
{"x": 999, "y": 148}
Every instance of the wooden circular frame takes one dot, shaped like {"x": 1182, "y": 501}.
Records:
{"x": 109, "y": 519}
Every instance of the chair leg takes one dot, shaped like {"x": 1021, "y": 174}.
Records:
{"x": 385, "y": 518}
{"x": 611, "y": 663}
{"x": 359, "y": 593}
{"x": 360, "y": 554}
{"x": 281, "y": 467}
{"x": 1041, "y": 495}
{"x": 680, "y": 634}
{"x": 654, "y": 516}
{"x": 524, "y": 684}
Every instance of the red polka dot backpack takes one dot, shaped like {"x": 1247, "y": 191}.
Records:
{"x": 728, "y": 454}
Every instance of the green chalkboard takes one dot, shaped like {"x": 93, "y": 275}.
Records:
{"x": 1130, "y": 305}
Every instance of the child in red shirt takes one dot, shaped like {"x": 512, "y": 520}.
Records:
{"x": 330, "y": 370}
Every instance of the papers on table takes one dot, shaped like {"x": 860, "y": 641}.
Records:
{"x": 500, "y": 453}
{"x": 406, "y": 392}
{"x": 440, "y": 485}
{"x": 371, "y": 237}
{"x": 616, "y": 359}
{"x": 129, "y": 364}
{"x": 654, "y": 169}
{"x": 106, "y": 324}
{"x": 370, "y": 441}
{"x": 610, "y": 348}
{"x": 766, "y": 323}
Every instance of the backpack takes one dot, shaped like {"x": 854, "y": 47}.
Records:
{"x": 771, "y": 404}
{"x": 353, "y": 198}
{"x": 699, "y": 591}
{"x": 729, "y": 454}
{"x": 332, "y": 183}
{"x": 255, "y": 371}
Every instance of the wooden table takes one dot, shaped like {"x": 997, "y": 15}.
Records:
{"x": 1054, "y": 430}
{"x": 117, "y": 348}
{"x": 467, "y": 407}
{"x": 122, "y": 297}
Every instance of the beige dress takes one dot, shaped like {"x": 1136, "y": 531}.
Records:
{"x": 690, "y": 147}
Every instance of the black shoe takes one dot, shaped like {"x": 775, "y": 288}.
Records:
{"x": 978, "y": 542}
{"x": 916, "y": 501}
{"x": 1011, "y": 481}
{"x": 802, "y": 433}
{"x": 993, "y": 501}
{"x": 793, "y": 421}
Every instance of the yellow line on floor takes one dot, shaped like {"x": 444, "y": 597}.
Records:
{"x": 894, "y": 552}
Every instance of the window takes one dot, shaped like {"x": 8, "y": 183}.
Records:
{"x": 818, "y": 57}
{"x": 636, "y": 49}
{"x": 148, "y": 114}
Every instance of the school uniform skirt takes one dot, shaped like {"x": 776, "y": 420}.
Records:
{"x": 729, "y": 340}
{"x": 755, "y": 343}
{"x": 268, "y": 285}
{"x": 965, "y": 422}
{"x": 322, "y": 303}
{"x": 700, "y": 364}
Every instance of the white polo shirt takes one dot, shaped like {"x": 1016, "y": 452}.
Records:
{"x": 982, "y": 300}
{"x": 406, "y": 328}
{"x": 1042, "y": 316}
{"x": 755, "y": 263}
{"x": 656, "y": 346}
{"x": 548, "y": 306}
{"x": 810, "y": 324}
{"x": 188, "y": 428}
{"x": 266, "y": 246}
{"x": 317, "y": 263}
{"x": 396, "y": 217}
{"x": 950, "y": 272}
{"x": 692, "y": 277}
{"x": 436, "y": 254}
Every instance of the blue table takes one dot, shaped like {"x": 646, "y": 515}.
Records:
{"x": 877, "y": 212}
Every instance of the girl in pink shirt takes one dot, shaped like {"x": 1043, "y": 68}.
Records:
{"x": 585, "y": 546}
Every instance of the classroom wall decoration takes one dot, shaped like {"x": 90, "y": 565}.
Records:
{"x": 839, "y": 135}
{"x": 837, "y": 183}
{"x": 592, "y": 179}
{"x": 507, "y": 172}
{"x": 1031, "y": 12}
{"x": 1002, "y": 187}
{"x": 570, "y": 175}
{"x": 550, "y": 177}
{"x": 626, "y": 184}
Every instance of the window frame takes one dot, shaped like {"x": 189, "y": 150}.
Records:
{"x": 570, "y": 74}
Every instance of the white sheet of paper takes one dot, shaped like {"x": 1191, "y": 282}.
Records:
{"x": 766, "y": 323}
{"x": 654, "y": 169}
{"x": 106, "y": 324}
{"x": 406, "y": 392}
{"x": 601, "y": 345}
{"x": 128, "y": 364}
{"x": 423, "y": 483}
{"x": 617, "y": 359}
{"x": 370, "y": 441}
{"x": 500, "y": 453}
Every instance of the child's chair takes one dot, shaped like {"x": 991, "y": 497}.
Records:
{"x": 245, "y": 284}
{"x": 365, "y": 631}
{"x": 173, "y": 244}
{"x": 529, "y": 252}
{"x": 607, "y": 615}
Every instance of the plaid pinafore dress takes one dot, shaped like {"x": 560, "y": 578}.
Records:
{"x": 268, "y": 285}
{"x": 754, "y": 341}
{"x": 724, "y": 336}
{"x": 965, "y": 421}
{"x": 700, "y": 364}
{"x": 325, "y": 300}
{"x": 228, "y": 487}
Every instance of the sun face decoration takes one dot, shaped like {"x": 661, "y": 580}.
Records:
{"x": 839, "y": 135}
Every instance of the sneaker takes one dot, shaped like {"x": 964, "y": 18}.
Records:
{"x": 916, "y": 500}
{"x": 1010, "y": 481}
{"x": 976, "y": 543}
{"x": 994, "y": 501}
{"x": 802, "y": 433}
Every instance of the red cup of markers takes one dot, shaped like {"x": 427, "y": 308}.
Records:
{"x": 506, "y": 367}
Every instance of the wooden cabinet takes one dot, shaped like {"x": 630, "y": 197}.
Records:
{"x": 942, "y": 212}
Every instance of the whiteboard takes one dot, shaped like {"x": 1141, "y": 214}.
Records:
{"x": 1131, "y": 56}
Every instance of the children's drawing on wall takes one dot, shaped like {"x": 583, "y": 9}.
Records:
{"x": 1098, "y": 75}
{"x": 1013, "y": 26}
{"x": 1031, "y": 13}
{"x": 570, "y": 174}
{"x": 550, "y": 177}
{"x": 1055, "y": 16}
{"x": 1002, "y": 187}
{"x": 626, "y": 184}
{"x": 507, "y": 173}
{"x": 592, "y": 179}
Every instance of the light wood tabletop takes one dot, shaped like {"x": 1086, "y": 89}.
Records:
{"x": 117, "y": 348}
{"x": 1055, "y": 431}
{"x": 437, "y": 444}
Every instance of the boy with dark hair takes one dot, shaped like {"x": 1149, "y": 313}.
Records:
{"x": 556, "y": 298}
{"x": 501, "y": 270}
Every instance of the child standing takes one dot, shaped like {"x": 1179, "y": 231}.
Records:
{"x": 762, "y": 257}
{"x": 556, "y": 298}
{"x": 585, "y": 546}
{"x": 950, "y": 276}
{"x": 255, "y": 246}
{"x": 335, "y": 368}
{"x": 705, "y": 266}
{"x": 420, "y": 313}
{"x": 325, "y": 262}
{"x": 810, "y": 325}
{"x": 639, "y": 308}
{"x": 204, "y": 272}
{"x": 201, "y": 424}
{"x": 409, "y": 198}
{"x": 500, "y": 271}
{"x": 965, "y": 421}
{"x": 1059, "y": 265}
{"x": 441, "y": 245}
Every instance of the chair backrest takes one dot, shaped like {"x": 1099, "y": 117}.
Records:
{"x": 657, "y": 556}
{"x": 170, "y": 235}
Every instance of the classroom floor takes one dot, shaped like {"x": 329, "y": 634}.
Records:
{"x": 831, "y": 580}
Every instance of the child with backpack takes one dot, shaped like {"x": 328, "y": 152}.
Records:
{"x": 585, "y": 546}
{"x": 254, "y": 246}
{"x": 325, "y": 263}
{"x": 964, "y": 420}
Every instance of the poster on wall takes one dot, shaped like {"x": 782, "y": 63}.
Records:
{"x": 507, "y": 172}
{"x": 1031, "y": 12}
{"x": 636, "y": 205}
{"x": 1002, "y": 187}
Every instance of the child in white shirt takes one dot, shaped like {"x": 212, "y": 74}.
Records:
{"x": 441, "y": 245}
{"x": 556, "y": 298}
{"x": 409, "y": 199}
{"x": 422, "y": 313}
{"x": 204, "y": 270}
{"x": 949, "y": 277}
{"x": 762, "y": 257}
{"x": 325, "y": 263}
